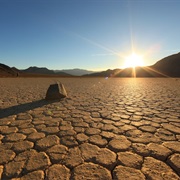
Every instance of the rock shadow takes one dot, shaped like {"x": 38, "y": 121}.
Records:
{"x": 23, "y": 108}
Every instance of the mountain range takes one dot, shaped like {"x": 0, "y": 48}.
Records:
{"x": 166, "y": 67}
{"x": 6, "y": 71}
{"x": 43, "y": 71}
{"x": 75, "y": 72}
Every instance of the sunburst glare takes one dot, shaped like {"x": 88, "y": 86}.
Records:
{"x": 133, "y": 61}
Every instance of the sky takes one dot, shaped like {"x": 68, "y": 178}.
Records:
{"x": 87, "y": 34}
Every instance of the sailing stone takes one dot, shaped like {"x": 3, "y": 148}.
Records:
{"x": 56, "y": 91}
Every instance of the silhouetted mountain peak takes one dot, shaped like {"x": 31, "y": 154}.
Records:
{"x": 8, "y": 71}
{"x": 38, "y": 70}
{"x": 35, "y": 68}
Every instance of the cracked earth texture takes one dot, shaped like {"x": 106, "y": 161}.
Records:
{"x": 105, "y": 129}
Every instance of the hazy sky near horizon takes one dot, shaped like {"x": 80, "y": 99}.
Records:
{"x": 88, "y": 34}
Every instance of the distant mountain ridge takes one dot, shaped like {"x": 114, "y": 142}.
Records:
{"x": 38, "y": 70}
{"x": 76, "y": 71}
{"x": 67, "y": 72}
{"x": 6, "y": 71}
{"x": 127, "y": 72}
{"x": 43, "y": 70}
{"x": 166, "y": 67}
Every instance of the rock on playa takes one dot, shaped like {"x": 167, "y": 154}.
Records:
{"x": 56, "y": 91}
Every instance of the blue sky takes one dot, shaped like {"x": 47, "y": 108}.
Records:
{"x": 88, "y": 34}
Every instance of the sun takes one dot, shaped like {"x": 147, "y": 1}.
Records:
{"x": 133, "y": 61}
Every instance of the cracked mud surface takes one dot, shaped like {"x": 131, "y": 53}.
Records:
{"x": 105, "y": 129}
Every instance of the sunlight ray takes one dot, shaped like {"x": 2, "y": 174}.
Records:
{"x": 98, "y": 45}
{"x": 151, "y": 69}
{"x": 134, "y": 72}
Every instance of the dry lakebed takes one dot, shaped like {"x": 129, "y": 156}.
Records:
{"x": 107, "y": 128}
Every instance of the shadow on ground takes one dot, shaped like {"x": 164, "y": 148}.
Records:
{"x": 23, "y": 108}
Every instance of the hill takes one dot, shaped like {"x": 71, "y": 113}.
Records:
{"x": 7, "y": 71}
{"x": 169, "y": 65}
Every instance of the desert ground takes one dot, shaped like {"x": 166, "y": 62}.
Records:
{"x": 107, "y": 128}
